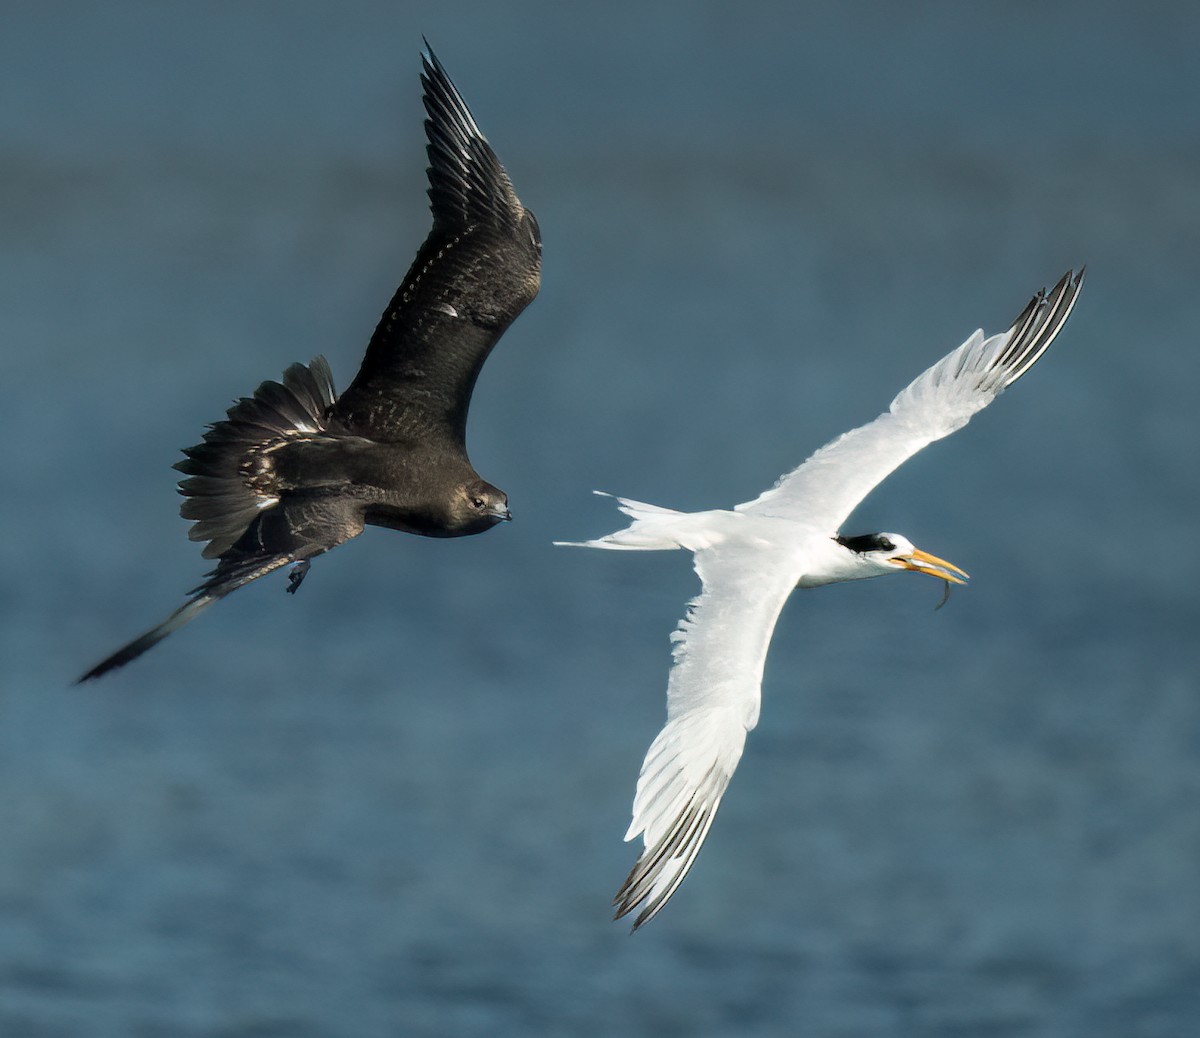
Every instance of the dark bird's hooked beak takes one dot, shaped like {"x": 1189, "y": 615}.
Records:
{"x": 922, "y": 562}
{"x": 501, "y": 514}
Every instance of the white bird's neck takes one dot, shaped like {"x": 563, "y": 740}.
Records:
{"x": 833, "y": 562}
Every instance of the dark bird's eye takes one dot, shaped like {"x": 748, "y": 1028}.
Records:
{"x": 535, "y": 232}
{"x": 477, "y": 502}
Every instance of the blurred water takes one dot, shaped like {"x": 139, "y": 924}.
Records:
{"x": 393, "y": 805}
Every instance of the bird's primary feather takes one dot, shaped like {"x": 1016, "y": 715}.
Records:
{"x": 477, "y": 270}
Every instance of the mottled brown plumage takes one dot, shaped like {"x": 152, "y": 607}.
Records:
{"x": 296, "y": 470}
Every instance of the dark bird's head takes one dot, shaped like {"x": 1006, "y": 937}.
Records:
{"x": 873, "y": 554}
{"x": 478, "y": 506}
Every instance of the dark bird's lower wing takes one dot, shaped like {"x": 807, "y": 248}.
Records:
{"x": 477, "y": 270}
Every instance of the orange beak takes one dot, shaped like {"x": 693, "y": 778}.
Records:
{"x": 922, "y": 562}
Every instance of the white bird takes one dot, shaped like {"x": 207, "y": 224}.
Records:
{"x": 749, "y": 560}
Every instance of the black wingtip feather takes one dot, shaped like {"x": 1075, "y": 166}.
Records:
{"x": 1037, "y": 326}
{"x": 467, "y": 183}
{"x": 672, "y": 856}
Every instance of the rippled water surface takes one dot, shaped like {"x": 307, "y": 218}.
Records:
{"x": 393, "y": 805}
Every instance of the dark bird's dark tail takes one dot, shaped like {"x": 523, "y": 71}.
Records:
{"x": 188, "y": 611}
{"x": 229, "y": 491}
{"x": 227, "y": 577}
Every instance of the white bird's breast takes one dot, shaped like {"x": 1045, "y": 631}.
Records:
{"x": 826, "y": 562}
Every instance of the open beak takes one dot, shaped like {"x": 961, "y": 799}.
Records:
{"x": 922, "y": 562}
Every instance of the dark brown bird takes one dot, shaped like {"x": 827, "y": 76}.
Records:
{"x": 296, "y": 470}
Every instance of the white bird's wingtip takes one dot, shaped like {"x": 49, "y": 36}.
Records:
{"x": 1036, "y": 327}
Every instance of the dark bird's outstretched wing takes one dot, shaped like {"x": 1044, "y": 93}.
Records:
{"x": 477, "y": 270}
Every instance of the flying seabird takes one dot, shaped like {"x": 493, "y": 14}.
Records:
{"x": 749, "y": 560}
{"x": 296, "y": 470}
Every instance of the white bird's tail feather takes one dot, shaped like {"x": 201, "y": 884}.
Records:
{"x": 647, "y": 532}
{"x": 656, "y": 529}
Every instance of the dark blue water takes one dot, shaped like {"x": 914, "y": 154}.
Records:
{"x": 393, "y": 805}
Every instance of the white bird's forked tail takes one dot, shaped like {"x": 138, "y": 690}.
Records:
{"x": 653, "y": 528}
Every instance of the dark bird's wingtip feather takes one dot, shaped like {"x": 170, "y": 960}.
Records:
{"x": 428, "y": 58}
{"x": 467, "y": 183}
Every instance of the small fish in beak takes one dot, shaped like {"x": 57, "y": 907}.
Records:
{"x": 922, "y": 562}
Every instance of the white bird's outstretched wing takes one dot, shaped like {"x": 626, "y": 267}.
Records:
{"x": 825, "y": 489}
{"x": 712, "y": 701}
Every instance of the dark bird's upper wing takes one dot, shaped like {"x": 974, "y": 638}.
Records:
{"x": 477, "y": 270}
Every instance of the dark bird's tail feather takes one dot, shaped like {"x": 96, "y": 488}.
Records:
{"x": 220, "y": 489}
{"x": 228, "y": 487}
{"x": 188, "y": 611}
{"x": 228, "y": 576}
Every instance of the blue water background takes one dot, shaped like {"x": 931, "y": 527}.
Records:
{"x": 393, "y": 805}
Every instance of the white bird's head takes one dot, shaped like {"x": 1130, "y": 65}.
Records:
{"x": 874, "y": 554}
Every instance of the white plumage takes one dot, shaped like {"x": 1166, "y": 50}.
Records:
{"x": 749, "y": 560}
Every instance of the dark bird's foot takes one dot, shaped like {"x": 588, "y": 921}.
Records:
{"x": 296, "y": 575}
